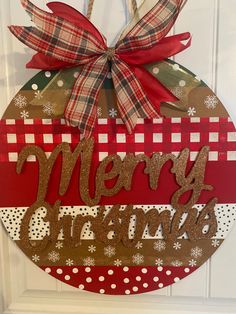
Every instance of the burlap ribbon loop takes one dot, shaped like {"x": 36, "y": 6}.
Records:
{"x": 132, "y": 3}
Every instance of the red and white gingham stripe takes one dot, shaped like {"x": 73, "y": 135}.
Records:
{"x": 160, "y": 135}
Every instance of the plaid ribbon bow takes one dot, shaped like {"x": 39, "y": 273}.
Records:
{"x": 65, "y": 38}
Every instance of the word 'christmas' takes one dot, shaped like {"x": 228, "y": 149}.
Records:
{"x": 121, "y": 172}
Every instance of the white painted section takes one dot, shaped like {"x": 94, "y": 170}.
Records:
{"x": 27, "y": 290}
{"x": 39, "y": 228}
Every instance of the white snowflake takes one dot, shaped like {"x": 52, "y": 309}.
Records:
{"x": 69, "y": 262}
{"x": 109, "y": 251}
{"x": 38, "y": 95}
{"x": 159, "y": 262}
{"x": 20, "y": 101}
{"x": 192, "y": 263}
{"x": 215, "y": 243}
{"x": 192, "y": 111}
{"x": 159, "y": 245}
{"x": 138, "y": 259}
{"x": 117, "y": 262}
{"x": 211, "y": 102}
{"x": 48, "y": 109}
{"x": 177, "y": 91}
{"x": 177, "y": 246}
{"x": 89, "y": 261}
{"x": 92, "y": 248}
{"x": 59, "y": 245}
{"x": 53, "y": 256}
{"x": 35, "y": 258}
{"x": 99, "y": 111}
{"x": 177, "y": 263}
{"x": 196, "y": 252}
{"x": 24, "y": 114}
{"x": 113, "y": 113}
{"x": 139, "y": 245}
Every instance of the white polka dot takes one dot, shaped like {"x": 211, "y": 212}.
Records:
{"x": 176, "y": 279}
{"x": 138, "y": 278}
{"x": 75, "y": 270}
{"x": 67, "y": 277}
{"x": 48, "y": 74}
{"x": 60, "y": 83}
{"x": 110, "y": 272}
{"x": 160, "y": 268}
{"x": 101, "y": 278}
{"x": 145, "y": 285}
{"x": 89, "y": 279}
{"x": 155, "y": 279}
{"x": 88, "y": 269}
{"x": 81, "y": 287}
{"x": 135, "y": 289}
{"x": 160, "y": 285}
{"x": 113, "y": 286}
{"x": 182, "y": 83}
{"x": 34, "y": 86}
{"x": 144, "y": 270}
{"x": 186, "y": 270}
{"x": 48, "y": 270}
{"x": 59, "y": 271}
{"x": 76, "y": 74}
{"x": 168, "y": 273}
{"x": 126, "y": 269}
{"x": 126, "y": 280}
{"x": 127, "y": 292}
{"x": 102, "y": 291}
{"x": 175, "y": 67}
{"x": 155, "y": 70}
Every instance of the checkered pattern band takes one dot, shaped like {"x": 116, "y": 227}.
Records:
{"x": 59, "y": 39}
{"x": 168, "y": 135}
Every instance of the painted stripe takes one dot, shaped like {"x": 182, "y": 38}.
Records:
{"x": 12, "y": 216}
{"x": 162, "y": 135}
{"x": 119, "y": 280}
{"x": 21, "y": 190}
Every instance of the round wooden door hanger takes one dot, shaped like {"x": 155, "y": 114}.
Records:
{"x": 106, "y": 207}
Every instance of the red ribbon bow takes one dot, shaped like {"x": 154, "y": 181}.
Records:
{"x": 65, "y": 38}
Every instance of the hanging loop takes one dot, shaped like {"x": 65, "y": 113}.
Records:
{"x": 90, "y": 9}
{"x": 133, "y": 6}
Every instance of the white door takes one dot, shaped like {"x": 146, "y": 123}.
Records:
{"x": 212, "y": 289}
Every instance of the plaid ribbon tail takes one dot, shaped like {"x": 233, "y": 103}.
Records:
{"x": 132, "y": 101}
{"x": 81, "y": 110}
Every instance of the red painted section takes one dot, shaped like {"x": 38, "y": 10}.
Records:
{"x": 119, "y": 280}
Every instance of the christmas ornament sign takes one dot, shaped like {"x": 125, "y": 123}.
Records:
{"x": 115, "y": 162}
